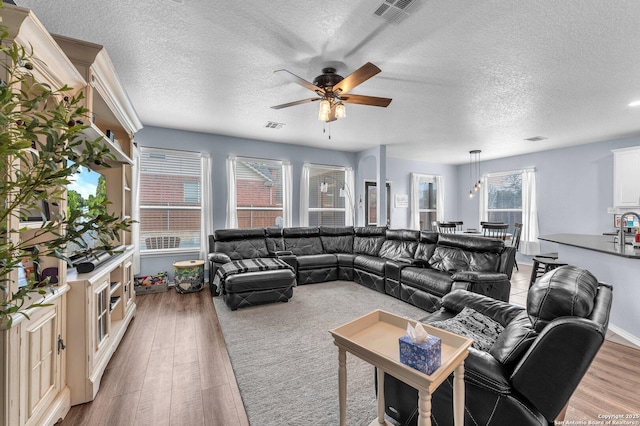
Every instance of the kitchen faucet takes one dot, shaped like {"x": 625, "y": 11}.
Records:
{"x": 622, "y": 223}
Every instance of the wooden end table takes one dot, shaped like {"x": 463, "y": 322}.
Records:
{"x": 374, "y": 339}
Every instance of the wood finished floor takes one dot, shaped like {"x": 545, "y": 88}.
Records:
{"x": 172, "y": 368}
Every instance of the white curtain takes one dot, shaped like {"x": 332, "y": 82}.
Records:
{"x": 440, "y": 198}
{"x": 304, "y": 196}
{"x": 484, "y": 198}
{"x": 414, "y": 220}
{"x": 206, "y": 219}
{"x": 529, "y": 243}
{"x": 287, "y": 194}
{"x": 232, "y": 202}
{"x": 349, "y": 182}
{"x": 135, "y": 213}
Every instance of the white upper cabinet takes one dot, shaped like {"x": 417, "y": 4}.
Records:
{"x": 626, "y": 177}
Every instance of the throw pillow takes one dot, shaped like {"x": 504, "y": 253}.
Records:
{"x": 472, "y": 324}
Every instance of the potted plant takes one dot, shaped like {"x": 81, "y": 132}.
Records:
{"x": 41, "y": 149}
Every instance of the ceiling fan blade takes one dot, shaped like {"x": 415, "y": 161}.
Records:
{"x": 366, "y": 100}
{"x": 357, "y": 77}
{"x": 300, "y": 102}
{"x": 299, "y": 80}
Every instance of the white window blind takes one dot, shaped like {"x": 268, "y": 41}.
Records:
{"x": 259, "y": 189}
{"x": 329, "y": 196}
{"x": 170, "y": 199}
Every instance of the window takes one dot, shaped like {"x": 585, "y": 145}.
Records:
{"x": 504, "y": 198}
{"x": 170, "y": 199}
{"x": 259, "y": 192}
{"x": 330, "y": 196}
{"x": 427, "y": 200}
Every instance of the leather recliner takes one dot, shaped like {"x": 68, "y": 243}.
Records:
{"x": 535, "y": 363}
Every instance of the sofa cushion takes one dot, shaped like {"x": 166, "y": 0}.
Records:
{"x": 430, "y": 280}
{"x": 370, "y": 264}
{"x": 453, "y": 259}
{"x": 471, "y": 323}
{"x": 471, "y": 243}
{"x": 337, "y": 239}
{"x": 565, "y": 291}
{"x": 368, "y": 240}
{"x": 399, "y": 243}
{"x": 274, "y": 240}
{"x": 302, "y": 241}
{"x": 317, "y": 261}
{"x": 242, "y": 249}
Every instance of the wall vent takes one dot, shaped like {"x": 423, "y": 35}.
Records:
{"x": 394, "y": 11}
{"x": 273, "y": 125}
{"x": 536, "y": 138}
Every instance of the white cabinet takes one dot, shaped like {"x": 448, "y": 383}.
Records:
{"x": 626, "y": 177}
{"x": 34, "y": 388}
{"x": 102, "y": 305}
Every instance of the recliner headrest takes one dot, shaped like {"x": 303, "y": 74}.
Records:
{"x": 565, "y": 291}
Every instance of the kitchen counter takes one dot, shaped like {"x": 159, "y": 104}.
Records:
{"x": 599, "y": 255}
{"x": 601, "y": 243}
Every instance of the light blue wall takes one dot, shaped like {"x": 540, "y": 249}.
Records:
{"x": 574, "y": 186}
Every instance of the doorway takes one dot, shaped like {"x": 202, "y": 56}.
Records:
{"x": 371, "y": 203}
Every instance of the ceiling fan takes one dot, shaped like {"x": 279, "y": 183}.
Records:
{"x": 333, "y": 91}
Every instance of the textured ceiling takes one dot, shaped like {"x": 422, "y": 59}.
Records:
{"x": 462, "y": 74}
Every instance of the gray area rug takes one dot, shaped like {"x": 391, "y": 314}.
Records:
{"x": 285, "y": 361}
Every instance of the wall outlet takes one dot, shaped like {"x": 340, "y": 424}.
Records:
{"x": 611, "y": 210}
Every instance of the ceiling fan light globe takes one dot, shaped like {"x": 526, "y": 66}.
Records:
{"x": 341, "y": 111}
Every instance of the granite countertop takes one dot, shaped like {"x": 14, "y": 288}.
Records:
{"x": 601, "y": 243}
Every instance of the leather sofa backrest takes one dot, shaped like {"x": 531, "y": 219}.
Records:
{"x": 471, "y": 243}
{"x": 302, "y": 241}
{"x": 274, "y": 239}
{"x": 399, "y": 243}
{"x": 368, "y": 240}
{"x": 565, "y": 291}
{"x": 426, "y": 245}
{"x": 453, "y": 259}
{"x": 240, "y": 243}
{"x": 337, "y": 239}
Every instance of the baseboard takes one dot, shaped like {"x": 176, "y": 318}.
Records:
{"x": 633, "y": 340}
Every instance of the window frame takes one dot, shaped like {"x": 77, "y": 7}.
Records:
{"x": 487, "y": 210}
{"x": 192, "y": 156}
{"x": 281, "y": 209}
{"x": 348, "y": 195}
{"x": 438, "y": 210}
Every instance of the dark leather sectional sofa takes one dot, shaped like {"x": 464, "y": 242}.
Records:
{"x": 417, "y": 267}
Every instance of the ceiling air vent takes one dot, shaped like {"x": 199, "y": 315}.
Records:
{"x": 394, "y": 10}
{"x": 273, "y": 125}
{"x": 536, "y": 138}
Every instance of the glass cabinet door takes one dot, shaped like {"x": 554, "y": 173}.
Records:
{"x": 102, "y": 315}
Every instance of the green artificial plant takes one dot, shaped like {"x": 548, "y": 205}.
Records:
{"x": 42, "y": 146}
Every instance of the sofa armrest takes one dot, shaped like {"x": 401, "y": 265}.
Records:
{"x": 219, "y": 257}
{"x": 408, "y": 261}
{"x": 483, "y": 370}
{"x": 498, "y": 310}
{"x": 281, "y": 253}
{"x": 493, "y": 284}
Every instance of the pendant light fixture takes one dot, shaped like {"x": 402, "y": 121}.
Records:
{"x": 474, "y": 171}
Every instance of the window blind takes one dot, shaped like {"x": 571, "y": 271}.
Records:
{"x": 328, "y": 196}
{"x": 259, "y": 189}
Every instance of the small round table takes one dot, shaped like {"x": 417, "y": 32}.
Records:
{"x": 188, "y": 276}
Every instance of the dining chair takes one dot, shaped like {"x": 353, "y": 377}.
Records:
{"x": 515, "y": 240}
{"x": 495, "y": 230}
{"x": 458, "y": 224}
{"x": 447, "y": 227}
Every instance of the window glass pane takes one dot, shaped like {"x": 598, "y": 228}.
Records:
{"x": 259, "y": 193}
{"x": 328, "y": 196}
{"x": 505, "y": 191}
{"x": 428, "y": 193}
{"x": 426, "y": 219}
{"x": 170, "y": 199}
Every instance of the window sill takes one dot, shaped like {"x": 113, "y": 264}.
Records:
{"x": 168, "y": 252}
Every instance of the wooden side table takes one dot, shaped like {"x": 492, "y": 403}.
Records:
{"x": 374, "y": 339}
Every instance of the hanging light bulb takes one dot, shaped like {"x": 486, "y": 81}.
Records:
{"x": 325, "y": 109}
{"x": 324, "y": 186}
{"x": 341, "y": 111}
{"x": 470, "y": 194}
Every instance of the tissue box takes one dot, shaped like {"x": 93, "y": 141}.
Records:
{"x": 424, "y": 357}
